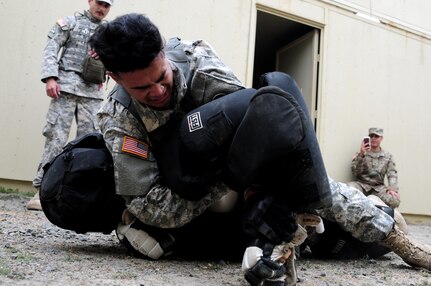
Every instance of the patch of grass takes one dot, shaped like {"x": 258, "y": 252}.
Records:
{"x": 8, "y": 191}
{"x": 4, "y": 270}
{"x": 15, "y": 192}
{"x": 9, "y": 273}
{"x": 72, "y": 258}
{"x": 24, "y": 257}
{"x": 20, "y": 256}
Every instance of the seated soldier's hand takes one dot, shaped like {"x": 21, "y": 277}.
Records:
{"x": 393, "y": 192}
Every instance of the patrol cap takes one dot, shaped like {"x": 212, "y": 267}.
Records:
{"x": 376, "y": 131}
{"x": 110, "y": 2}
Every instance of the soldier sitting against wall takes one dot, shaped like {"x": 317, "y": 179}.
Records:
{"x": 371, "y": 165}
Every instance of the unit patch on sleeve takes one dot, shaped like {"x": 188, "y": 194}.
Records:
{"x": 61, "y": 22}
{"x": 135, "y": 147}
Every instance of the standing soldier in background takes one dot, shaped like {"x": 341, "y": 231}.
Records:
{"x": 73, "y": 81}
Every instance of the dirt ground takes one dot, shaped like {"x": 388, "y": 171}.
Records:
{"x": 35, "y": 252}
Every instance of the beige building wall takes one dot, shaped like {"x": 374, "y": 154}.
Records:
{"x": 371, "y": 73}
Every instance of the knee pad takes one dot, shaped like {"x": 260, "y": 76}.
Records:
{"x": 316, "y": 193}
{"x": 272, "y": 127}
{"x": 144, "y": 240}
{"x": 276, "y": 146}
{"x": 208, "y": 130}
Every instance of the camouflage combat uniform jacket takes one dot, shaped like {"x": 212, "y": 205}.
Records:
{"x": 136, "y": 171}
{"x": 71, "y": 34}
{"x": 370, "y": 171}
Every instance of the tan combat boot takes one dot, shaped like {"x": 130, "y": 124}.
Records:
{"x": 414, "y": 254}
{"x": 34, "y": 203}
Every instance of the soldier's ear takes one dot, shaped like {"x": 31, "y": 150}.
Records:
{"x": 114, "y": 76}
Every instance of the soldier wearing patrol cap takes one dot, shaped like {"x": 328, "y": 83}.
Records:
{"x": 73, "y": 82}
{"x": 371, "y": 165}
{"x": 375, "y": 131}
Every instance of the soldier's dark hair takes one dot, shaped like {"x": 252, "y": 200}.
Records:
{"x": 128, "y": 43}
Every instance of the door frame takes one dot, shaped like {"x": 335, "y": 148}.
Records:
{"x": 253, "y": 71}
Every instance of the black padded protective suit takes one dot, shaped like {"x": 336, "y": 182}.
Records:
{"x": 249, "y": 137}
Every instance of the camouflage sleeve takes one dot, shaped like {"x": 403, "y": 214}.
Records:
{"x": 135, "y": 168}
{"x": 357, "y": 165}
{"x": 163, "y": 208}
{"x": 57, "y": 38}
{"x": 392, "y": 173}
{"x": 137, "y": 175}
{"x": 211, "y": 77}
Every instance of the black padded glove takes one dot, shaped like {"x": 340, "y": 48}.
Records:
{"x": 264, "y": 269}
{"x": 269, "y": 219}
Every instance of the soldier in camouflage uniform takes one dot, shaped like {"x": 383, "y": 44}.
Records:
{"x": 72, "y": 96}
{"x": 136, "y": 171}
{"x": 159, "y": 91}
{"x": 156, "y": 87}
{"x": 371, "y": 165}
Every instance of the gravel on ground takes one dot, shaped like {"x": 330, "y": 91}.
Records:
{"x": 35, "y": 252}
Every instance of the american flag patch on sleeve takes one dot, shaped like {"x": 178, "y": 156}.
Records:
{"x": 135, "y": 147}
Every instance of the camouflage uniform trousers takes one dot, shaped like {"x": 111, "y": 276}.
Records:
{"x": 379, "y": 191}
{"x": 59, "y": 121}
{"x": 357, "y": 214}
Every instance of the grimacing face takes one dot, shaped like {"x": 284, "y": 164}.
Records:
{"x": 151, "y": 86}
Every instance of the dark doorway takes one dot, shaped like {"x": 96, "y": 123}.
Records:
{"x": 289, "y": 46}
{"x": 273, "y": 33}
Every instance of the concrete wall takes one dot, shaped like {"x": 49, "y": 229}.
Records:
{"x": 371, "y": 74}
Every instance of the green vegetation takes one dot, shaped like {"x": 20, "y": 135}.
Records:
{"x": 8, "y": 272}
{"x": 4, "y": 270}
{"x": 72, "y": 258}
{"x": 20, "y": 256}
{"x": 15, "y": 192}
